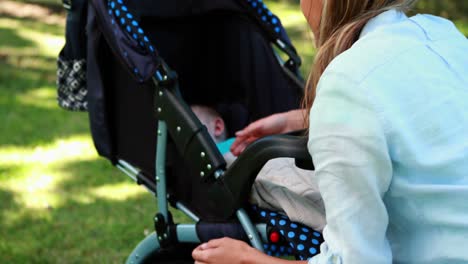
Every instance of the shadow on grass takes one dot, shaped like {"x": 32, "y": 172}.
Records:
{"x": 97, "y": 218}
{"x": 10, "y": 38}
{"x": 29, "y": 112}
{"x": 32, "y": 24}
{"x": 104, "y": 231}
{"x": 99, "y": 231}
{"x": 29, "y": 126}
{"x": 54, "y": 6}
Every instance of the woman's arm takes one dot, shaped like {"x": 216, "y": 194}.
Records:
{"x": 353, "y": 170}
{"x": 275, "y": 124}
{"x": 227, "y": 250}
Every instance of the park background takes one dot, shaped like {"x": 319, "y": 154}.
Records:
{"x": 59, "y": 201}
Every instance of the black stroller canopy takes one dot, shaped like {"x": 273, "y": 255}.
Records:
{"x": 120, "y": 22}
{"x": 223, "y": 55}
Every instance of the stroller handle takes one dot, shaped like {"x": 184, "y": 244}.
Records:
{"x": 235, "y": 184}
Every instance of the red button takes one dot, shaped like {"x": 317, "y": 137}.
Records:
{"x": 274, "y": 237}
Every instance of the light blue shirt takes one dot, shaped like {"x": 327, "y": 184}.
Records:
{"x": 389, "y": 138}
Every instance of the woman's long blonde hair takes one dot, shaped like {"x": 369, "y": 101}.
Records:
{"x": 340, "y": 26}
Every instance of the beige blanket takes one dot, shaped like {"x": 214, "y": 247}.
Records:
{"x": 281, "y": 186}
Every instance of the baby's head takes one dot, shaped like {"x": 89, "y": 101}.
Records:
{"x": 212, "y": 120}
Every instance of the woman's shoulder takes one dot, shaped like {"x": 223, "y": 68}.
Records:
{"x": 387, "y": 47}
{"x": 375, "y": 50}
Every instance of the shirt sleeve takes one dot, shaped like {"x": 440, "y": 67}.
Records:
{"x": 353, "y": 169}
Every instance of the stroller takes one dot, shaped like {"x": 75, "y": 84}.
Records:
{"x": 220, "y": 53}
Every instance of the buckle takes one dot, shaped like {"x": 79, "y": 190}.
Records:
{"x": 67, "y": 4}
{"x": 164, "y": 75}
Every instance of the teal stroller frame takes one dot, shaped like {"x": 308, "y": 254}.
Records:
{"x": 264, "y": 149}
{"x": 225, "y": 189}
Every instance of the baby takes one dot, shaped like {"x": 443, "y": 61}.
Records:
{"x": 216, "y": 127}
{"x": 280, "y": 185}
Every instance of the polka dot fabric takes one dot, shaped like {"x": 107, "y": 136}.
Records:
{"x": 121, "y": 17}
{"x": 297, "y": 239}
{"x": 265, "y": 15}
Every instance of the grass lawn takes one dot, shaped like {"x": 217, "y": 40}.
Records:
{"x": 61, "y": 203}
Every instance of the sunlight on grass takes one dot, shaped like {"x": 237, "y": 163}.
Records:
{"x": 117, "y": 192}
{"x": 34, "y": 174}
{"x": 78, "y": 147}
{"x": 41, "y": 97}
{"x": 46, "y": 43}
{"x": 52, "y": 182}
{"x": 289, "y": 15}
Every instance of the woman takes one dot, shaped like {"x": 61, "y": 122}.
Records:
{"x": 388, "y": 135}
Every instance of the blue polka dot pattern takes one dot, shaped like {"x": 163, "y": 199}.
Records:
{"x": 121, "y": 17}
{"x": 312, "y": 251}
{"x": 297, "y": 239}
{"x": 264, "y": 15}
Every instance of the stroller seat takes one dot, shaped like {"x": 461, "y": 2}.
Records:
{"x": 147, "y": 62}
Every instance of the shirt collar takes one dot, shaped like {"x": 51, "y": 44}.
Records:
{"x": 387, "y": 17}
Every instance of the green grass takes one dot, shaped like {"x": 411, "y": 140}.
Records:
{"x": 61, "y": 203}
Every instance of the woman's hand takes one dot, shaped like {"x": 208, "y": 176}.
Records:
{"x": 271, "y": 125}
{"x": 224, "y": 250}
{"x": 228, "y": 250}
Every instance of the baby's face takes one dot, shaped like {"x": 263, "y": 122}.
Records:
{"x": 210, "y": 126}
